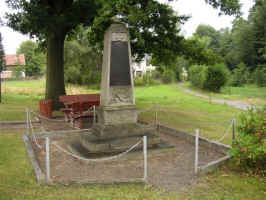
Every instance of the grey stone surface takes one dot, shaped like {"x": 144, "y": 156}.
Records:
{"x": 117, "y": 104}
{"x": 114, "y": 115}
{"x": 112, "y": 94}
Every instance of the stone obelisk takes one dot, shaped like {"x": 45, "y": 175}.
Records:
{"x": 117, "y": 104}
{"x": 117, "y": 126}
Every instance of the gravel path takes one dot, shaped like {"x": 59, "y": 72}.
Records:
{"x": 238, "y": 105}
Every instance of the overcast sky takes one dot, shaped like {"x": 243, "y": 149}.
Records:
{"x": 200, "y": 13}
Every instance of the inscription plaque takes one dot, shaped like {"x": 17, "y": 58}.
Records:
{"x": 120, "y": 68}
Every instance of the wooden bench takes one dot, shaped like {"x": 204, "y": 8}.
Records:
{"x": 79, "y": 106}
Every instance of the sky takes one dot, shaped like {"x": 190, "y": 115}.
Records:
{"x": 200, "y": 13}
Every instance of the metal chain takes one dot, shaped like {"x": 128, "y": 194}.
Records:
{"x": 46, "y": 118}
{"x": 33, "y": 134}
{"x": 226, "y": 132}
{"x": 95, "y": 160}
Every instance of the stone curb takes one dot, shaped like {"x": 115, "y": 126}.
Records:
{"x": 38, "y": 172}
{"x": 213, "y": 165}
{"x": 219, "y": 147}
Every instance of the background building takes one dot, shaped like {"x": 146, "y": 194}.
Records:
{"x": 12, "y": 61}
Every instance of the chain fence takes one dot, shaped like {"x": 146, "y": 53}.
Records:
{"x": 61, "y": 164}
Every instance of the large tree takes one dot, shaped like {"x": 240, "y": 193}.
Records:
{"x": 152, "y": 25}
{"x": 2, "y": 64}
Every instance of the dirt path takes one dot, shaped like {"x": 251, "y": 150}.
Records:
{"x": 236, "y": 104}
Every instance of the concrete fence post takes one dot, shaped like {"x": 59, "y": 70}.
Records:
{"x": 145, "y": 157}
{"x": 47, "y": 145}
{"x": 94, "y": 115}
{"x": 27, "y": 121}
{"x": 196, "y": 151}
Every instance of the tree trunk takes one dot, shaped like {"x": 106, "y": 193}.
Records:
{"x": 55, "y": 85}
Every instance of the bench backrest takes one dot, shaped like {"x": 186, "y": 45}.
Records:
{"x": 80, "y": 97}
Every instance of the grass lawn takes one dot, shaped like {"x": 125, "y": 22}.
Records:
{"x": 19, "y": 95}
{"x": 177, "y": 109}
{"x": 250, "y": 94}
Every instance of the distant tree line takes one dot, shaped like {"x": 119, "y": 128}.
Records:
{"x": 241, "y": 49}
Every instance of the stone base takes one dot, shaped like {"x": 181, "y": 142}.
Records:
{"x": 113, "y": 115}
{"x": 116, "y": 138}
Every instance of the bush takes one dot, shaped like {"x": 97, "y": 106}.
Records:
{"x": 215, "y": 77}
{"x": 195, "y": 75}
{"x": 168, "y": 76}
{"x": 19, "y": 72}
{"x": 209, "y": 77}
{"x": 260, "y": 75}
{"x": 155, "y": 74}
{"x": 145, "y": 80}
{"x": 249, "y": 149}
{"x": 240, "y": 75}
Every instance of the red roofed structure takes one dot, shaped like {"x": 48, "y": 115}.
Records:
{"x": 12, "y": 61}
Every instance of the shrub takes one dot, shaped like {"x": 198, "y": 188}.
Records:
{"x": 155, "y": 74}
{"x": 18, "y": 72}
{"x": 240, "y": 75}
{"x": 260, "y": 75}
{"x": 209, "y": 77}
{"x": 215, "y": 77}
{"x": 195, "y": 73}
{"x": 168, "y": 76}
{"x": 249, "y": 149}
{"x": 145, "y": 80}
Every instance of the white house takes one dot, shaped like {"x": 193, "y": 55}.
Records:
{"x": 142, "y": 67}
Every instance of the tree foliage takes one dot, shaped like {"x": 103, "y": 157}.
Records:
{"x": 245, "y": 42}
{"x": 2, "y": 54}
{"x": 153, "y": 27}
{"x": 34, "y": 58}
{"x": 82, "y": 62}
{"x": 210, "y": 78}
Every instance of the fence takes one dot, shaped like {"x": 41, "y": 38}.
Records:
{"x": 45, "y": 143}
{"x": 155, "y": 111}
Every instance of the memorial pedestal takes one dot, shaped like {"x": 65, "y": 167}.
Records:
{"x": 117, "y": 126}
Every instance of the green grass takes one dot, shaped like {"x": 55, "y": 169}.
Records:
{"x": 178, "y": 109}
{"x": 13, "y": 106}
{"x": 250, "y": 94}
{"x": 227, "y": 184}
{"x": 186, "y": 112}
{"x": 40, "y": 83}
{"x": 19, "y": 95}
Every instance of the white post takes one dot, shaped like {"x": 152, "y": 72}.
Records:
{"x": 196, "y": 151}
{"x": 47, "y": 142}
{"x": 94, "y": 115}
{"x": 156, "y": 116}
{"x": 27, "y": 121}
{"x": 145, "y": 157}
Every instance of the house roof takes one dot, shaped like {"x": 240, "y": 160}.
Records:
{"x": 12, "y": 60}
